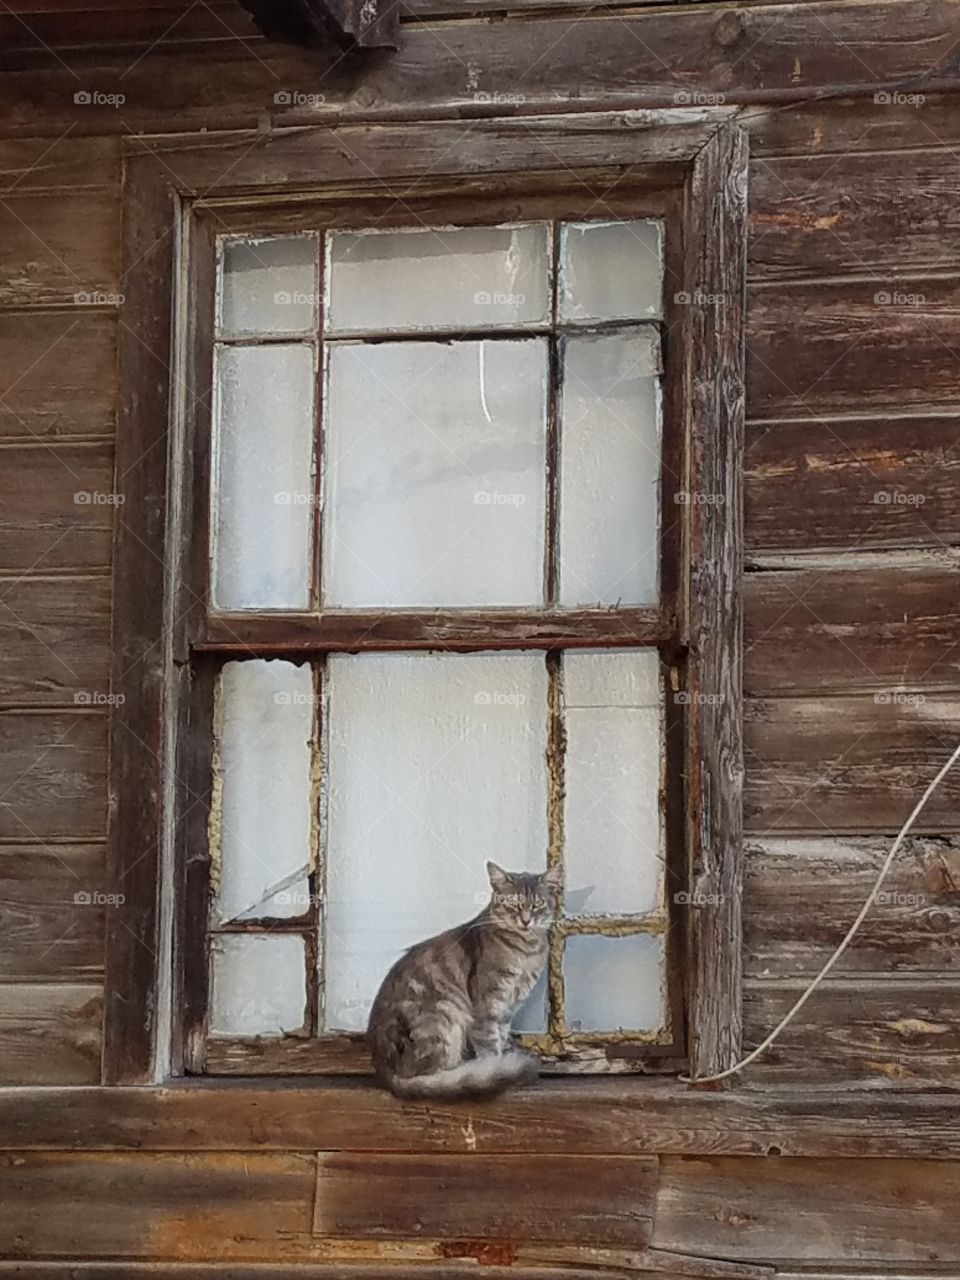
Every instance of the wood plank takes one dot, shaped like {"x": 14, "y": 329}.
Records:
{"x": 59, "y": 374}
{"x": 834, "y": 764}
{"x": 594, "y": 1116}
{"x": 58, "y": 164}
{"x": 57, "y": 251}
{"x": 54, "y": 770}
{"x": 843, "y": 126}
{"x": 627, "y": 59}
{"x": 214, "y": 1206}
{"x": 56, "y": 507}
{"x": 54, "y": 641}
{"x": 826, "y": 215}
{"x": 49, "y": 1034}
{"x": 893, "y": 626}
{"x": 801, "y": 895}
{"x": 852, "y": 484}
{"x": 51, "y": 912}
{"x": 503, "y": 1199}
{"x": 373, "y": 1268}
{"x": 855, "y": 1212}
{"x": 846, "y": 346}
{"x": 857, "y": 1031}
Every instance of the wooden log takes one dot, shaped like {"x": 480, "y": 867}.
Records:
{"x": 54, "y": 640}
{"x": 57, "y": 251}
{"x": 846, "y": 126}
{"x": 58, "y": 504}
{"x": 49, "y": 1034}
{"x": 65, "y": 164}
{"x": 882, "y": 481}
{"x": 802, "y": 894}
{"x": 55, "y": 766}
{"x": 60, "y": 370}
{"x": 52, "y": 906}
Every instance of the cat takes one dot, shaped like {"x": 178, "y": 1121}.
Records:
{"x": 440, "y": 1024}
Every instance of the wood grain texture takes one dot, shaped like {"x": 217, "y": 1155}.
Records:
{"x": 57, "y": 251}
{"x": 801, "y": 894}
{"x": 58, "y": 374}
{"x": 819, "y": 216}
{"x": 713, "y": 761}
{"x": 857, "y": 1212}
{"x": 857, "y": 1031}
{"x": 49, "y": 1034}
{"x": 51, "y": 912}
{"x": 596, "y": 1116}
{"x": 846, "y": 346}
{"x": 54, "y": 640}
{"x": 54, "y": 770}
{"x": 878, "y": 481}
{"x": 844, "y": 126}
{"x": 895, "y": 626}
{"x": 63, "y": 164}
{"x": 508, "y": 1199}
{"x": 56, "y": 507}
{"x": 827, "y": 765}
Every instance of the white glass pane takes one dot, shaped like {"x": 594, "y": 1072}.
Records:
{"x": 443, "y": 277}
{"x": 611, "y": 983}
{"x": 267, "y": 714}
{"x": 610, "y": 470}
{"x": 268, "y": 286}
{"x": 435, "y": 473}
{"x": 436, "y": 765}
{"x": 259, "y": 984}
{"x": 263, "y": 512}
{"x": 613, "y": 846}
{"x": 611, "y": 271}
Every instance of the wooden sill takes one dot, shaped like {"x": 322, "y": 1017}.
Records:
{"x": 614, "y": 1116}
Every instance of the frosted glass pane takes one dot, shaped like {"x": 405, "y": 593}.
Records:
{"x": 611, "y": 983}
{"x": 610, "y": 470}
{"x": 267, "y": 713}
{"x": 436, "y": 765}
{"x": 466, "y": 278}
{"x": 268, "y": 286}
{"x": 611, "y": 271}
{"x": 612, "y": 826}
{"x": 435, "y": 479}
{"x": 259, "y": 984}
{"x": 263, "y": 513}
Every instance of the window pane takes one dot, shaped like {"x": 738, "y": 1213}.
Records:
{"x": 267, "y": 716}
{"x": 263, "y": 501}
{"x": 259, "y": 984}
{"x": 268, "y": 286}
{"x": 466, "y": 278}
{"x": 611, "y": 271}
{"x": 435, "y": 473}
{"x": 611, "y": 983}
{"x": 612, "y": 825}
{"x": 436, "y": 765}
{"x": 610, "y": 469}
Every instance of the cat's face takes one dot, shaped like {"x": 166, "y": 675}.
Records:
{"x": 522, "y": 899}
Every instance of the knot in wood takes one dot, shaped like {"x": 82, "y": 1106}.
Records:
{"x": 729, "y": 28}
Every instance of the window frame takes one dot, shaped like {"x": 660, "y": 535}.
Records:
{"x": 161, "y": 730}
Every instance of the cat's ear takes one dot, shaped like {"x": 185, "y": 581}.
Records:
{"x": 498, "y": 877}
{"x": 553, "y": 878}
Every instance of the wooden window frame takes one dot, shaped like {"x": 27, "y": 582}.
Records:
{"x": 161, "y": 729}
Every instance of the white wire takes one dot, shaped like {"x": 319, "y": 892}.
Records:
{"x": 882, "y": 875}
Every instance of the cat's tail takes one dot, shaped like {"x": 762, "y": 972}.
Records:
{"x": 472, "y": 1081}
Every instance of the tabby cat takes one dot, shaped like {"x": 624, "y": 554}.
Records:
{"x": 440, "y": 1024}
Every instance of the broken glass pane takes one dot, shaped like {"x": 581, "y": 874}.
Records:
{"x": 259, "y": 984}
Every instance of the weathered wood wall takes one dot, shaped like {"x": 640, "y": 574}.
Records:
{"x": 851, "y": 607}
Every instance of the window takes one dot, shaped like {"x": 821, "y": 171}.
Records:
{"x": 448, "y": 580}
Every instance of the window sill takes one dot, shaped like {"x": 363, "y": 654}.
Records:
{"x": 622, "y": 1116}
